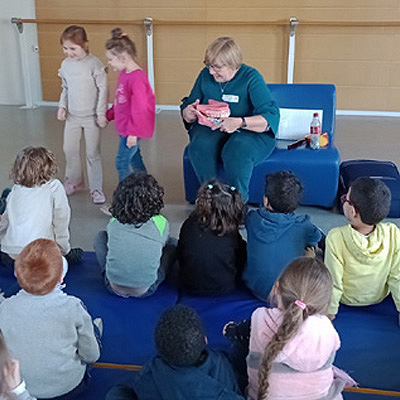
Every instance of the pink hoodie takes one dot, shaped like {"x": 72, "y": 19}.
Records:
{"x": 134, "y": 105}
{"x": 303, "y": 370}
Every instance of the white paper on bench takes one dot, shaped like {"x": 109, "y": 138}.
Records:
{"x": 295, "y": 123}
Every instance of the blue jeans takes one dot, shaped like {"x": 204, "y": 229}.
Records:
{"x": 168, "y": 258}
{"x": 128, "y": 160}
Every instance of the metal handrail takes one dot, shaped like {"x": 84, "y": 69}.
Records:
{"x": 210, "y": 23}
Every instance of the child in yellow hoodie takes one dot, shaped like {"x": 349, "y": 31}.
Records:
{"x": 364, "y": 256}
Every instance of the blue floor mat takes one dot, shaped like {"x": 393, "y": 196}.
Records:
{"x": 370, "y": 336}
{"x": 370, "y": 350}
{"x": 215, "y": 312}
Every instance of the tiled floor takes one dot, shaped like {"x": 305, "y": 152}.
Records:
{"x": 356, "y": 137}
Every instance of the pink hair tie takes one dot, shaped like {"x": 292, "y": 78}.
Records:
{"x": 300, "y": 304}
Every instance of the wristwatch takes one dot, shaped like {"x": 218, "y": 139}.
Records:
{"x": 243, "y": 123}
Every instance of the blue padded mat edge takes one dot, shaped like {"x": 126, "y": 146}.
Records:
{"x": 370, "y": 336}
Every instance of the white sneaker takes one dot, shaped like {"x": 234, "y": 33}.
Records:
{"x": 98, "y": 196}
{"x": 105, "y": 209}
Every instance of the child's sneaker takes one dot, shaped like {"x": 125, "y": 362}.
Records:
{"x": 98, "y": 196}
{"x": 72, "y": 187}
{"x": 105, "y": 209}
{"x": 74, "y": 256}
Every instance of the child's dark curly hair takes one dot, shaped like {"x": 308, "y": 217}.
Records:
{"x": 137, "y": 198}
{"x": 219, "y": 207}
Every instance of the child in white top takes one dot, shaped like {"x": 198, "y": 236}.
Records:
{"x": 37, "y": 206}
{"x": 82, "y": 105}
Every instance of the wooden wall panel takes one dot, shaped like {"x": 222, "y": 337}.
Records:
{"x": 363, "y": 62}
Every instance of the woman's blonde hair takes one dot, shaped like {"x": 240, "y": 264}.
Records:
{"x": 224, "y": 51}
{"x": 306, "y": 279}
{"x": 34, "y": 166}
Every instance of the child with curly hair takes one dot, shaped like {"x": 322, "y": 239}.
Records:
{"x": 211, "y": 252}
{"x": 132, "y": 253}
{"x": 37, "y": 206}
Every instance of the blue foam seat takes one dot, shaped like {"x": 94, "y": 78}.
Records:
{"x": 386, "y": 171}
{"x": 369, "y": 335}
{"x": 317, "y": 169}
{"x": 370, "y": 350}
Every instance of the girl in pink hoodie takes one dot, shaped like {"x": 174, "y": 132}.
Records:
{"x": 292, "y": 346}
{"x": 134, "y": 103}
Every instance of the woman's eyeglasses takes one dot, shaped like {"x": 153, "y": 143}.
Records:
{"x": 214, "y": 67}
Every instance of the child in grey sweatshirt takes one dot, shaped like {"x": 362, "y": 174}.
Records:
{"x": 49, "y": 332}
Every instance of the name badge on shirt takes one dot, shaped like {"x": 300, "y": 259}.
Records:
{"x": 230, "y": 98}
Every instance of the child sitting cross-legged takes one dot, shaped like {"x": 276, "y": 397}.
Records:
{"x": 292, "y": 345}
{"x": 211, "y": 251}
{"x": 37, "y": 207}
{"x": 184, "y": 368}
{"x": 275, "y": 234}
{"x": 135, "y": 253}
{"x": 363, "y": 257}
{"x": 49, "y": 332}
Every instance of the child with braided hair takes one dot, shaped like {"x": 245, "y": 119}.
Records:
{"x": 211, "y": 252}
{"x": 292, "y": 346}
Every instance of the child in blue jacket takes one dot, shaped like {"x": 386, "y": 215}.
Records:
{"x": 275, "y": 235}
{"x": 184, "y": 368}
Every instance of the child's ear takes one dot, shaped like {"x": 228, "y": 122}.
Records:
{"x": 354, "y": 213}
{"x": 265, "y": 201}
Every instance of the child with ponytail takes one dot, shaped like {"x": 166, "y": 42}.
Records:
{"x": 292, "y": 345}
{"x": 211, "y": 252}
{"x": 134, "y": 103}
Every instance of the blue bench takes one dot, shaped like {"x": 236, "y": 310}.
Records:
{"x": 317, "y": 169}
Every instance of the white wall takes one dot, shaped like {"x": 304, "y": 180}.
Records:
{"x": 12, "y": 88}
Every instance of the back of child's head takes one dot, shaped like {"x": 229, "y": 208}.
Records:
{"x": 283, "y": 190}
{"x": 137, "y": 198}
{"x": 371, "y": 198}
{"x": 34, "y": 166}
{"x": 304, "y": 289}
{"x": 76, "y": 34}
{"x": 180, "y": 337}
{"x": 219, "y": 207}
{"x": 39, "y": 267}
{"x": 121, "y": 43}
